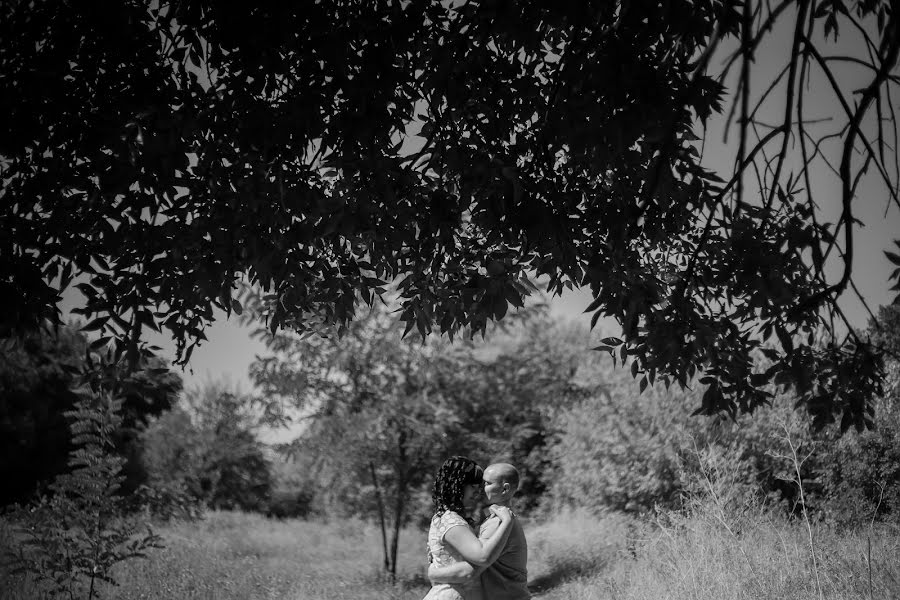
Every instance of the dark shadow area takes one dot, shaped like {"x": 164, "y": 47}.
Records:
{"x": 414, "y": 580}
{"x": 561, "y": 573}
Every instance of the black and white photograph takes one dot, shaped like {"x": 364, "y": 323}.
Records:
{"x": 449, "y": 300}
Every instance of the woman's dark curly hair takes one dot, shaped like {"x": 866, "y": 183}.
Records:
{"x": 456, "y": 473}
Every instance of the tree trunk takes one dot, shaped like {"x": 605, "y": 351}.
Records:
{"x": 380, "y": 503}
{"x": 400, "y": 503}
{"x": 398, "y": 521}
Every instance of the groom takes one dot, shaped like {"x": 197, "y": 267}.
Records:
{"x": 507, "y": 577}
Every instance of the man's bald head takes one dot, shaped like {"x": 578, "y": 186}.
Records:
{"x": 503, "y": 473}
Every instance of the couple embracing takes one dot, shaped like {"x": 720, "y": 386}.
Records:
{"x": 473, "y": 559}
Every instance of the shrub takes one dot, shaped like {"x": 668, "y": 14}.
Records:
{"x": 71, "y": 540}
{"x": 618, "y": 449}
{"x": 168, "y": 501}
{"x": 626, "y": 450}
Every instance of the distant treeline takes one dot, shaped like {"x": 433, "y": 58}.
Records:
{"x": 381, "y": 412}
{"x": 183, "y": 449}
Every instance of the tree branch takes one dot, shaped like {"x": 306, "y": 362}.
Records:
{"x": 846, "y": 178}
{"x": 765, "y": 28}
{"x": 880, "y": 76}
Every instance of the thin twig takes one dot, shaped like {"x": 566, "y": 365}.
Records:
{"x": 765, "y": 28}
{"x": 745, "y": 97}
{"x": 796, "y": 462}
{"x": 885, "y": 67}
{"x": 896, "y": 149}
{"x": 789, "y": 97}
{"x": 853, "y": 59}
{"x": 854, "y": 131}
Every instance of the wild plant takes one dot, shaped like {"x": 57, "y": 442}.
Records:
{"x": 795, "y": 457}
{"x": 69, "y": 540}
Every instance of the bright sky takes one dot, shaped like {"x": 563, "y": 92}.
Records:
{"x": 229, "y": 350}
{"x": 873, "y": 207}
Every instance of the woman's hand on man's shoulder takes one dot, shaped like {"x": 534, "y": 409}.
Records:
{"x": 503, "y": 512}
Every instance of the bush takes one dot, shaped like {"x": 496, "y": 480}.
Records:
{"x": 70, "y": 541}
{"x": 625, "y": 450}
{"x": 618, "y": 449}
{"x": 860, "y": 473}
{"x": 289, "y": 504}
{"x": 168, "y": 501}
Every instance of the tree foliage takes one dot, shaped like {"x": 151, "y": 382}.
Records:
{"x": 616, "y": 448}
{"x": 376, "y": 412}
{"x": 885, "y": 329}
{"x": 507, "y": 388}
{"x": 207, "y": 447}
{"x": 39, "y": 374}
{"x": 380, "y": 412}
{"x": 156, "y": 153}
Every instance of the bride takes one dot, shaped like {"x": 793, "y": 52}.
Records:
{"x": 457, "y": 488}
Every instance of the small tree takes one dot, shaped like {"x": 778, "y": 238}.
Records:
{"x": 383, "y": 412}
{"x": 378, "y": 415}
{"x": 73, "y": 538}
{"x": 169, "y": 457}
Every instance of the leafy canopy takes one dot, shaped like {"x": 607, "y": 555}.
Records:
{"x": 157, "y": 153}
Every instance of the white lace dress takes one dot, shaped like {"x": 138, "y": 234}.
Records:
{"x": 443, "y": 554}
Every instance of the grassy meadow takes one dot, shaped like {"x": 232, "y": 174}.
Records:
{"x": 573, "y": 555}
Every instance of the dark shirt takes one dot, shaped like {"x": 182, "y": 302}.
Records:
{"x": 507, "y": 577}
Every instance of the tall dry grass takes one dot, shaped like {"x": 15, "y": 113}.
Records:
{"x": 232, "y": 556}
{"x": 675, "y": 556}
{"x": 575, "y": 555}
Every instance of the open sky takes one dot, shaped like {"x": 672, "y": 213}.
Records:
{"x": 230, "y": 349}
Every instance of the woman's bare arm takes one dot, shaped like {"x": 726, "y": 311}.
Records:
{"x": 481, "y": 552}
{"x": 458, "y": 572}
